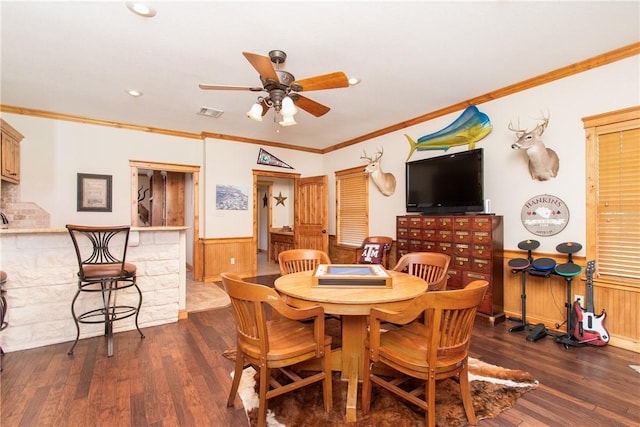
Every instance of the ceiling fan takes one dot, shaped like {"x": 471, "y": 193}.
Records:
{"x": 280, "y": 85}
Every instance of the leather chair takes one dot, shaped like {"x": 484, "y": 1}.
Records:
{"x": 432, "y": 267}
{"x": 429, "y": 351}
{"x": 375, "y": 250}
{"x": 102, "y": 268}
{"x": 276, "y": 342}
{"x": 296, "y": 260}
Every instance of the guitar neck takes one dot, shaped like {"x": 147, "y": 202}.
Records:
{"x": 590, "y": 270}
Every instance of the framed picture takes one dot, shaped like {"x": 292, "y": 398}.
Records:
{"x": 94, "y": 192}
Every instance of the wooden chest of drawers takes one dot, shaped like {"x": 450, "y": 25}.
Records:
{"x": 279, "y": 242}
{"x": 475, "y": 244}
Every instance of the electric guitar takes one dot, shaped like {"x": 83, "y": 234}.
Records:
{"x": 589, "y": 327}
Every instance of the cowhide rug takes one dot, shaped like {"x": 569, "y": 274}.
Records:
{"x": 494, "y": 389}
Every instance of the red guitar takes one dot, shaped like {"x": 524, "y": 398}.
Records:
{"x": 589, "y": 327}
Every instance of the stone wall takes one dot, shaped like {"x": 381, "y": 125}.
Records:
{"x": 21, "y": 214}
{"x": 42, "y": 281}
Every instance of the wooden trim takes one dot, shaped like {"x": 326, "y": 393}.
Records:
{"x": 603, "y": 119}
{"x": 560, "y": 73}
{"x": 350, "y": 171}
{"x": 169, "y": 167}
{"x": 183, "y": 315}
{"x": 10, "y": 130}
{"x": 99, "y": 122}
{"x": 274, "y": 174}
{"x": 260, "y": 142}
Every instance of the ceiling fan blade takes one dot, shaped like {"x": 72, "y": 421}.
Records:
{"x": 262, "y": 64}
{"x": 326, "y": 81}
{"x": 265, "y": 107}
{"x": 310, "y": 106}
{"x": 229, "y": 87}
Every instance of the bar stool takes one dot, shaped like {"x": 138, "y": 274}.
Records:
{"x": 3, "y": 309}
{"x": 101, "y": 253}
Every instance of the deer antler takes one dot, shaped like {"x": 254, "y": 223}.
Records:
{"x": 543, "y": 126}
{"x": 379, "y": 154}
{"x": 368, "y": 158}
{"x": 516, "y": 130}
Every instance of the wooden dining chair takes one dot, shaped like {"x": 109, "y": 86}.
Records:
{"x": 276, "y": 343}
{"x": 296, "y": 260}
{"x": 375, "y": 250}
{"x": 432, "y": 267}
{"x": 428, "y": 353}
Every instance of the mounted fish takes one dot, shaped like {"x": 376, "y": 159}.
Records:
{"x": 469, "y": 128}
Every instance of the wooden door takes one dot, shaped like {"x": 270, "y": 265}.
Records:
{"x": 174, "y": 197}
{"x": 311, "y": 213}
{"x": 167, "y": 199}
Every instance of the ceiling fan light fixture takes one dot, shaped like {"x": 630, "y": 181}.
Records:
{"x": 255, "y": 112}
{"x": 288, "y": 107}
{"x": 287, "y": 120}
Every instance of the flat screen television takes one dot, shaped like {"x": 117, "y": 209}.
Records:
{"x": 448, "y": 184}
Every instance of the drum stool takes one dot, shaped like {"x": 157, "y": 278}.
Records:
{"x": 522, "y": 265}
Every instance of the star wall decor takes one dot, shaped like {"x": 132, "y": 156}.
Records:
{"x": 280, "y": 199}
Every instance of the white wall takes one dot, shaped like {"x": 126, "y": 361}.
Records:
{"x": 232, "y": 163}
{"x": 507, "y": 180}
{"x": 53, "y": 152}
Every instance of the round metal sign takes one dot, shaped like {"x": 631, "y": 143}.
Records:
{"x": 544, "y": 215}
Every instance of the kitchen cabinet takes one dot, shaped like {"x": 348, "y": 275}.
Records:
{"x": 10, "y": 153}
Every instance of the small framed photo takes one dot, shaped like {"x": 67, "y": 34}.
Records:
{"x": 94, "y": 193}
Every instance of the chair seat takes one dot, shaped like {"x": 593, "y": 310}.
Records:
{"x": 287, "y": 339}
{"x": 97, "y": 271}
{"x": 407, "y": 347}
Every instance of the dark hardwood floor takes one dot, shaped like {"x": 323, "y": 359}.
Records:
{"x": 177, "y": 376}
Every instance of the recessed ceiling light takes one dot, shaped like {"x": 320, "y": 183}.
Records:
{"x": 354, "y": 80}
{"x": 141, "y": 9}
{"x": 134, "y": 93}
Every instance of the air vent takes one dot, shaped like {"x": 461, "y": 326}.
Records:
{"x": 210, "y": 112}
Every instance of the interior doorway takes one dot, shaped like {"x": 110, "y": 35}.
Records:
{"x": 174, "y": 201}
{"x": 271, "y": 184}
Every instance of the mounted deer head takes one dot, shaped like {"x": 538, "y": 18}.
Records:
{"x": 385, "y": 182}
{"x": 543, "y": 162}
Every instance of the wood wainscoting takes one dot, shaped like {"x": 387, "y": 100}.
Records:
{"x": 234, "y": 255}
{"x": 546, "y": 298}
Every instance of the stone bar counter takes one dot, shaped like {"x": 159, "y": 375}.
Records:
{"x": 42, "y": 269}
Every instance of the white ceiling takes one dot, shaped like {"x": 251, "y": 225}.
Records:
{"x": 413, "y": 57}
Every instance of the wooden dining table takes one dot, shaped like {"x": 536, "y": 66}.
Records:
{"x": 353, "y": 303}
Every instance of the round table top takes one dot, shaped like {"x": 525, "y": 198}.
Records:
{"x": 353, "y": 300}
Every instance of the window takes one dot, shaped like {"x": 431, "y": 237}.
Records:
{"x": 352, "y": 210}
{"x": 613, "y": 195}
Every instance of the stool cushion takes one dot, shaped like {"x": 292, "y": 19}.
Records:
{"x": 96, "y": 271}
{"x": 3, "y": 277}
